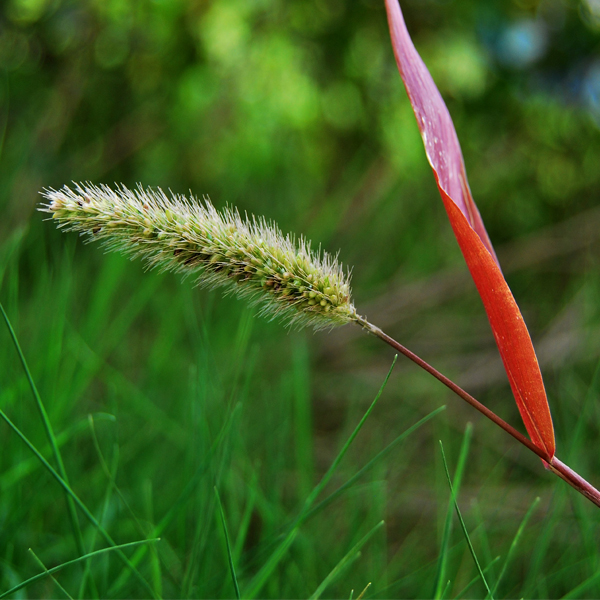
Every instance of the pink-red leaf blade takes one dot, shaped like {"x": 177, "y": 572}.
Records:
{"x": 445, "y": 156}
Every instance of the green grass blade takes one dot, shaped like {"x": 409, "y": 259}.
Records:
{"x": 229, "y": 555}
{"x": 77, "y": 501}
{"x": 334, "y": 495}
{"x": 476, "y": 579}
{"x": 440, "y": 576}
{"x": 579, "y": 590}
{"x": 261, "y": 577}
{"x": 110, "y": 477}
{"x": 246, "y": 518}
{"x": 183, "y": 497}
{"x": 463, "y": 526}
{"x": 48, "y": 572}
{"x": 27, "y": 466}
{"x": 515, "y": 542}
{"x": 56, "y": 583}
{"x": 325, "y": 480}
{"x": 87, "y": 573}
{"x": 327, "y": 501}
{"x": 50, "y": 434}
{"x": 9, "y": 247}
{"x": 350, "y": 557}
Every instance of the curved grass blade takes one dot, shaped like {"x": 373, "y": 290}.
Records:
{"x": 84, "y": 509}
{"x": 49, "y": 572}
{"x": 445, "y": 157}
{"x": 348, "y": 484}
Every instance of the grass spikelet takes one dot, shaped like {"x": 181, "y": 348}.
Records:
{"x": 249, "y": 257}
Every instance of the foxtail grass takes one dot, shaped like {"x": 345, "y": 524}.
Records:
{"x": 249, "y": 257}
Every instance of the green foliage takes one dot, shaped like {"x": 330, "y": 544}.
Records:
{"x": 293, "y": 110}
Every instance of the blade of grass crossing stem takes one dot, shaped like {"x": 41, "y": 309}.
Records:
{"x": 327, "y": 501}
{"x": 514, "y": 544}
{"x": 475, "y": 579}
{"x": 263, "y": 574}
{"x": 50, "y": 434}
{"x": 440, "y": 576}
{"x": 463, "y": 526}
{"x": 229, "y": 554}
{"x": 56, "y": 583}
{"x": 185, "y": 495}
{"x": 53, "y": 570}
{"x": 346, "y": 561}
{"x": 84, "y": 509}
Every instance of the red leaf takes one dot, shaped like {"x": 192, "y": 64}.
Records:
{"x": 445, "y": 157}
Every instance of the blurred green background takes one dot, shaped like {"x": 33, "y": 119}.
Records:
{"x": 293, "y": 109}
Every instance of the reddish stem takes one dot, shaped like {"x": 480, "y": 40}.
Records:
{"x": 551, "y": 463}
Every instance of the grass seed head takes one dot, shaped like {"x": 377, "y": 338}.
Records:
{"x": 249, "y": 257}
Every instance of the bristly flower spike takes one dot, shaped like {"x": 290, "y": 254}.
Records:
{"x": 249, "y": 257}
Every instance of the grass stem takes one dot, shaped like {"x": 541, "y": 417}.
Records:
{"x": 552, "y": 463}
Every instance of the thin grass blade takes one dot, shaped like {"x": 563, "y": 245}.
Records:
{"x": 475, "y": 579}
{"x": 464, "y": 527}
{"x": 515, "y": 542}
{"x": 56, "y": 582}
{"x": 229, "y": 555}
{"x": 327, "y": 501}
{"x": 49, "y": 433}
{"x": 48, "y": 572}
{"x": 440, "y": 576}
{"x": 183, "y": 498}
{"x": 77, "y": 501}
{"x": 261, "y": 577}
{"x": 346, "y": 561}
